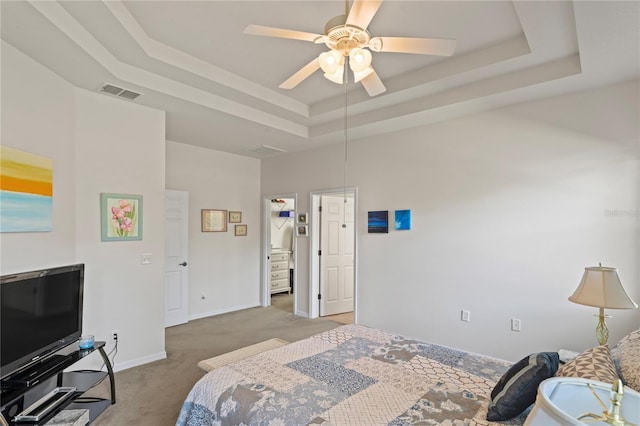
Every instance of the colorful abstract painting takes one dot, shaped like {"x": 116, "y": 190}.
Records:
{"x": 378, "y": 222}
{"x": 26, "y": 191}
{"x": 403, "y": 220}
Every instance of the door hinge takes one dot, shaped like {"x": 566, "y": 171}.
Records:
{"x": 319, "y": 296}
{"x": 319, "y": 252}
{"x": 320, "y": 208}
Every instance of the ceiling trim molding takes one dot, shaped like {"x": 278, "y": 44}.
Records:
{"x": 142, "y": 78}
{"x": 508, "y": 82}
{"x": 189, "y": 63}
{"x": 428, "y": 80}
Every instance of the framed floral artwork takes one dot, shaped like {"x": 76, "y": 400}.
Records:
{"x": 214, "y": 220}
{"x": 120, "y": 217}
{"x": 240, "y": 231}
{"x": 235, "y": 217}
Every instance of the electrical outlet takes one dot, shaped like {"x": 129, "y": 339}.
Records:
{"x": 515, "y": 324}
{"x": 114, "y": 335}
{"x": 465, "y": 315}
{"x": 145, "y": 259}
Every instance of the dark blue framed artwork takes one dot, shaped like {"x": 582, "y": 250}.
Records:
{"x": 403, "y": 220}
{"x": 378, "y": 222}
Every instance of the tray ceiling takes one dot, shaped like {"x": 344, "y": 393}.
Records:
{"x": 219, "y": 87}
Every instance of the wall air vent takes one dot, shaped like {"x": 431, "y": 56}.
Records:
{"x": 266, "y": 149}
{"x": 118, "y": 91}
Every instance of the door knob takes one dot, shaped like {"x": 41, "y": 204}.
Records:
{"x": 183, "y": 264}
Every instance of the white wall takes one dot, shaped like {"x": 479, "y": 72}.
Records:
{"x": 38, "y": 117}
{"x": 507, "y": 207}
{"x": 120, "y": 149}
{"x": 224, "y": 267}
{"x": 98, "y": 144}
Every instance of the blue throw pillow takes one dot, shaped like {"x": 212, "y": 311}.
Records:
{"x": 517, "y": 388}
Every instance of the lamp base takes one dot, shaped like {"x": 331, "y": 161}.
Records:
{"x": 602, "y": 332}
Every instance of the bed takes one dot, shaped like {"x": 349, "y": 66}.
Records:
{"x": 349, "y": 375}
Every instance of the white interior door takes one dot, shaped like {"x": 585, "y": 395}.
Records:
{"x": 176, "y": 251}
{"x": 337, "y": 254}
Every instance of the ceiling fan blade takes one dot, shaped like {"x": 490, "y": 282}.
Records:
{"x": 423, "y": 46}
{"x": 373, "y": 85}
{"x": 362, "y": 12}
{"x": 303, "y": 73}
{"x": 260, "y": 30}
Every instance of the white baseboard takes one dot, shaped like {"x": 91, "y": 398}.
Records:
{"x": 302, "y": 314}
{"x": 220, "y": 311}
{"x": 139, "y": 361}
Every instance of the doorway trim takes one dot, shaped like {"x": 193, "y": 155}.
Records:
{"x": 265, "y": 290}
{"x": 314, "y": 235}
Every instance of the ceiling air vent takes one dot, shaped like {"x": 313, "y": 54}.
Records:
{"x": 266, "y": 149}
{"x": 118, "y": 91}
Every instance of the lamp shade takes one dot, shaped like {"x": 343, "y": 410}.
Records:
{"x": 359, "y": 59}
{"x": 330, "y": 61}
{"x": 601, "y": 287}
{"x": 335, "y": 76}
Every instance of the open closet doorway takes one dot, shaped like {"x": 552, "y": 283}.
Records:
{"x": 280, "y": 251}
{"x": 334, "y": 244}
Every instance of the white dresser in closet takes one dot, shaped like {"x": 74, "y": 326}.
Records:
{"x": 280, "y": 271}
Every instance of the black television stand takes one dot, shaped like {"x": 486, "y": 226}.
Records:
{"x": 35, "y": 373}
{"x": 25, "y": 388}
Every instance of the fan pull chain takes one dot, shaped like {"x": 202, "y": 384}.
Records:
{"x": 346, "y": 139}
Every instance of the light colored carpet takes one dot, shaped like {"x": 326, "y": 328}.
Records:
{"x": 242, "y": 353}
{"x": 346, "y": 318}
{"x": 284, "y": 302}
{"x": 152, "y": 394}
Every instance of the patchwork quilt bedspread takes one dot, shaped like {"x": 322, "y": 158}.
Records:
{"x": 351, "y": 375}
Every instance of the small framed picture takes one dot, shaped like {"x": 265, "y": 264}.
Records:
{"x": 120, "y": 217}
{"x": 378, "y": 222}
{"x": 302, "y": 217}
{"x": 235, "y": 217}
{"x": 214, "y": 220}
{"x": 240, "y": 231}
{"x": 301, "y": 230}
{"x": 403, "y": 220}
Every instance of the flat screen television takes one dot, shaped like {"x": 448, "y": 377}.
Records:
{"x": 40, "y": 313}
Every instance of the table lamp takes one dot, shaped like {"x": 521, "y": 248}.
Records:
{"x": 601, "y": 287}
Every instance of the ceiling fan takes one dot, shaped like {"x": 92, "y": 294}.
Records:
{"x": 349, "y": 41}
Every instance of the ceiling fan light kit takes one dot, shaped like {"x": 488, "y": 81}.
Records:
{"x": 360, "y": 59}
{"x": 330, "y": 61}
{"x": 336, "y": 76}
{"x": 347, "y": 37}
